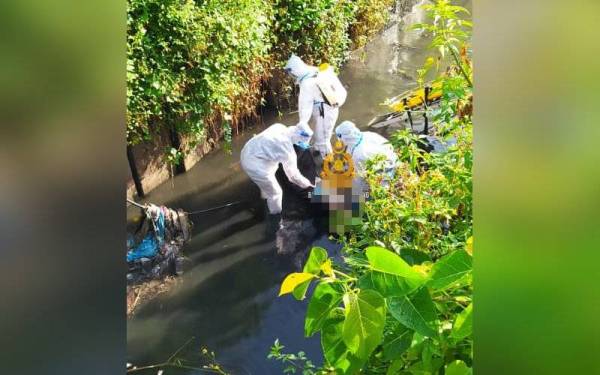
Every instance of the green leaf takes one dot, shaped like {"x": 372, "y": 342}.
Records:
{"x": 417, "y": 312}
{"x": 397, "y": 342}
{"x": 421, "y": 368}
{"x": 300, "y": 292}
{"x": 324, "y": 299}
{"x": 449, "y": 269}
{"x": 335, "y": 351}
{"x": 316, "y": 258}
{"x": 391, "y": 275}
{"x": 463, "y": 325}
{"x": 383, "y": 260}
{"x": 387, "y": 285}
{"x": 365, "y": 320}
{"x": 413, "y": 257}
{"x": 395, "y": 367}
{"x": 458, "y": 367}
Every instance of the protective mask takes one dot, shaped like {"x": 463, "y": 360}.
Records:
{"x": 303, "y": 145}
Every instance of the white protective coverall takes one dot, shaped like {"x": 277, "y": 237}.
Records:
{"x": 262, "y": 154}
{"x": 363, "y": 146}
{"x": 311, "y": 103}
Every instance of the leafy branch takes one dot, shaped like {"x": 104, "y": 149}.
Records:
{"x": 175, "y": 362}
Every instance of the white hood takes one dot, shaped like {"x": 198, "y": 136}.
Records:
{"x": 298, "y": 69}
{"x": 348, "y": 133}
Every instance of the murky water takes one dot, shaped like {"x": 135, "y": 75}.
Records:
{"x": 228, "y": 297}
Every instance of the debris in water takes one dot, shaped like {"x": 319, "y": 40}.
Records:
{"x": 140, "y": 293}
{"x": 154, "y": 253}
{"x": 154, "y": 250}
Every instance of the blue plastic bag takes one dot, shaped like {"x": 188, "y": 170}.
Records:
{"x": 149, "y": 246}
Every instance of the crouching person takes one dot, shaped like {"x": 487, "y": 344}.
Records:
{"x": 364, "y": 146}
{"x": 263, "y": 153}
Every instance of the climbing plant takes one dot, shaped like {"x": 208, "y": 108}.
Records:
{"x": 192, "y": 64}
{"x": 313, "y": 29}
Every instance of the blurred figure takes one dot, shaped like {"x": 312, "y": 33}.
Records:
{"x": 321, "y": 95}
{"x": 363, "y": 146}
{"x": 262, "y": 154}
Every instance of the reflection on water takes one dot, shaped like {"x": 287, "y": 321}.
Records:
{"x": 228, "y": 299}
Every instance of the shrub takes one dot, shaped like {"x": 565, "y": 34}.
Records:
{"x": 371, "y": 16}
{"x": 193, "y": 63}
{"x": 317, "y": 30}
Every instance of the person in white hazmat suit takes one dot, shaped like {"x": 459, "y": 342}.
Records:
{"x": 363, "y": 146}
{"x": 321, "y": 95}
{"x": 262, "y": 154}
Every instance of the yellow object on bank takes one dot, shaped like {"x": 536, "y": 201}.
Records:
{"x": 416, "y": 98}
{"x": 323, "y": 67}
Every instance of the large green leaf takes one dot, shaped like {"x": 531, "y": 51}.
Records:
{"x": 458, "y": 367}
{"x": 449, "y": 269}
{"x": 397, "y": 342}
{"x": 387, "y": 285}
{"x": 417, "y": 313}
{"x": 364, "y": 323}
{"x": 463, "y": 325}
{"x": 385, "y": 261}
{"x": 324, "y": 299}
{"x": 413, "y": 257}
{"x": 335, "y": 351}
{"x": 391, "y": 275}
{"x": 316, "y": 258}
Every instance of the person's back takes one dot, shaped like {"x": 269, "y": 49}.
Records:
{"x": 364, "y": 146}
{"x": 371, "y": 145}
{"x": 263, "y": 145}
